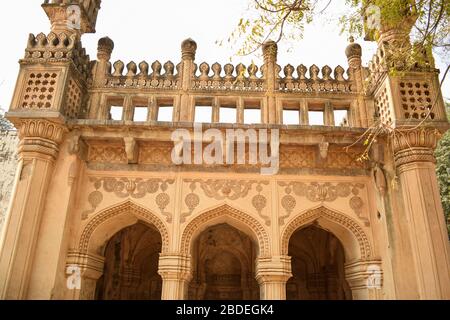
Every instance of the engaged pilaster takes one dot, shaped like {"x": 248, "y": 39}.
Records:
{"x": 38, "y": 150}
{"x": 428, "y": 236}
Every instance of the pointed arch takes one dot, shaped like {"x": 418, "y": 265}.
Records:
{"x": 353, "y": 229}
{"x": 120, "y": 211}
{"x": 235, "y": 217}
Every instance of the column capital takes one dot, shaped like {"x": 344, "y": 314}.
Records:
{"x": 273, "y": 269}
{"x": 173, "y": 266}
{"x": 363, "y": 275}
{"x": 40, "y": 137}
{"x": 272, "y": 273}
{"x": 415, "y": 146}
{"x": 91, "y": 265}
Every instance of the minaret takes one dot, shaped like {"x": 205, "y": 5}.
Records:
{"x": 408, "y": 100}
{"x": 50, "y": 90}
{"x": 72, "y": 16}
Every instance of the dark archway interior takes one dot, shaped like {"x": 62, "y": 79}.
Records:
{"x": 131, "y": 265}
{"x": 224, "y": 266}
{"x": 317, "y": 266}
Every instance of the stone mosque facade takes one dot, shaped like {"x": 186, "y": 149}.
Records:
{"x": 99, "y": 210}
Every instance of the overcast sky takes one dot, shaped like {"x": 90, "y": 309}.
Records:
{"x": 153, "y": 30}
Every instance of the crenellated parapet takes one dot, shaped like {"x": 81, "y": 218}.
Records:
{"x": 56, "y": 48}
{"x": 318, "y": 80}
{"x": 186, "y": 85}
{"x": 143, "y": 76}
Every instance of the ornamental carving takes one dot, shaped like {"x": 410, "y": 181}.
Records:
{"x": 226, "y": 189}
{"x": 192, "y": 201}
{"x": 41, "y": 129}
{"x": 40, "y": 136}
{"x": 415, "y": 146}
{"x": 298, "y": 157}
{"x": 130, "y": 188}
{"x": 107, "y": 154}
{"x": 259, "y": 202}
{"x": 160, "y": 155}
{"x": 420, "y": 138}
{"x": 323, "y": 192}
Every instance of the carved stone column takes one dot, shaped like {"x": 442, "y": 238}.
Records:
{"x": 188, "y": 50}
{"x": 270, "y": 51}
{"x": 175, "y": 271}
{"x": 38, "y": 150}
{"x": 100, "y": 71}
{"x": 354, "y": 54}
{"x": 426, "y": 224}
{"x": 272, "y": 274}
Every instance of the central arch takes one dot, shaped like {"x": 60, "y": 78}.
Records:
{"x": 226, "y": 214}
{"x": 223, "y": 260}
{"x": 224, "y": 243}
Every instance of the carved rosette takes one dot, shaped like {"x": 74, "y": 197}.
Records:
{"x": 415, "y": 146}
{"x": 40, "y": 137}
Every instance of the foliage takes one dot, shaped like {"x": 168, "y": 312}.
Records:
{"x": 286, "y": 19}
{"x": 443, "y": 171}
